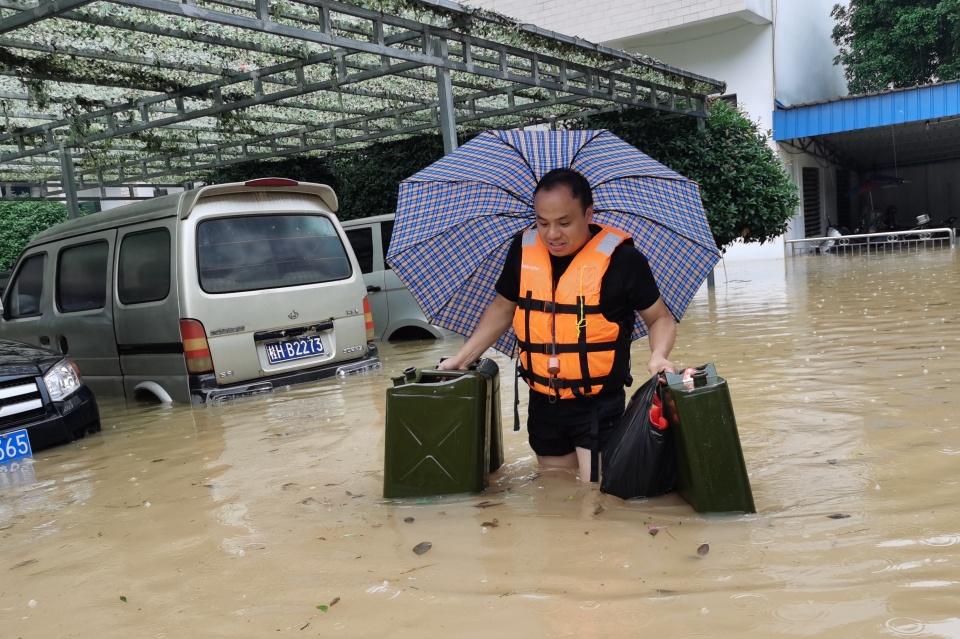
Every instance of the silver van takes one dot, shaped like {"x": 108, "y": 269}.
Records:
{"x": 396, "y": 315}
{"x": 221, "y": 290}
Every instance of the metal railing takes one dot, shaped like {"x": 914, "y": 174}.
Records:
{"x": 885, "y": 242}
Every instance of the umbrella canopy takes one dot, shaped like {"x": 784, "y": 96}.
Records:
{"x": 455, "y": 218}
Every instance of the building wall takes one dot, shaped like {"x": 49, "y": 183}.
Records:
{"x": 804, "y": 52}
{"x": 603, "y": 20}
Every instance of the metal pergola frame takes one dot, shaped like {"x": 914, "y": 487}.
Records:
{"x": 97, "y": 93}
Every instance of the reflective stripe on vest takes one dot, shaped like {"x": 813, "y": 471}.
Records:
{"x": 566, "y": 323}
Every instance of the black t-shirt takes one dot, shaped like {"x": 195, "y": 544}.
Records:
{"x": 627, "y": 286}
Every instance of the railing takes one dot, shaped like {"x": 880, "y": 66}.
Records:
{"x": 888, "y": 241}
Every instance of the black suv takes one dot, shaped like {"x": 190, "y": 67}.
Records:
{"x": 43, "y": 393}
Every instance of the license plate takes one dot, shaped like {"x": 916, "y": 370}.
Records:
{"x": 15, "y": 445}
{"x": 294, "y": 349}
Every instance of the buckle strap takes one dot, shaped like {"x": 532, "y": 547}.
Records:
{"x": 584, "y": 360}
{"x": 546, "y": 306}
{"x": 585, "y": 347}
{"x": 573, "y": 384}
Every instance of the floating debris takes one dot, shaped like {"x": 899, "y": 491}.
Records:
{"x": 488, "y": 504}
{"x": 408, "y": 520}
{"x": 598, "y": 509}
{"x": 123, "y": 598}
{"x": 653, "y": 530}
{"x": 490, "y": 524}
{"x": 422, "y": 547}
{"x": 703, "y": 549}
{"x": 838, "y": 516}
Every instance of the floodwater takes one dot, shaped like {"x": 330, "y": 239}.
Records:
{"x": 263, "y": 517}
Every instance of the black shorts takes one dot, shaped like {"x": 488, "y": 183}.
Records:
{"x": 555, "y": 438}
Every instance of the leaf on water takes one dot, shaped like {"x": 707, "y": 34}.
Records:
{"x": 422, "y": 547}
{"x": 408, "y": 520}
{"x": 323, "y": 607}
{"x": 703, "y": 549}
{"x": 334, "y": 602}
{"x": 488, "y": 504}
{"x": 123, "y": 598}
{"x": 653, "y": 530}
{"x": 491, "y": 524}
{"x": 154, "y": 461}
{"x": 832, "y": 462}
{"x": 838, "y": 516}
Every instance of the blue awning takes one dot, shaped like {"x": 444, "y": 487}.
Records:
{"x": 897, "y": 106}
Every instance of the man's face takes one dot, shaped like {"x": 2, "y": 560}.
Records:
{"x": 562, "y": 222}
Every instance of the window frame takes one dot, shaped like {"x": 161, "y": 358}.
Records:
{"x": 373, "y": 246}
{"x": 122, "y": 241}
{"x": 13, "y": 281}
{"x": 56, "y": 277}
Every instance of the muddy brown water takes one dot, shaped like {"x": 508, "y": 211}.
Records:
{"x": 247, "y": 519}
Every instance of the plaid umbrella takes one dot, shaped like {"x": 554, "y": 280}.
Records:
{"x": 455, "y": 219}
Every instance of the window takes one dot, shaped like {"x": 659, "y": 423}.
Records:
{"x": 144, "y": 271}
{"x": 361, "y": 240}
{"x": 268, "y": 251}
{"x": 23, "y": 296}
{"x": 82, "y": 277}
{"x": 386, "y": 230}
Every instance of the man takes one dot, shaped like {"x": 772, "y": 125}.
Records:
{"x": 570, "y": 289}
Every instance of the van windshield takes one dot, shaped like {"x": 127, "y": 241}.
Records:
{"x": 251, "y": 252}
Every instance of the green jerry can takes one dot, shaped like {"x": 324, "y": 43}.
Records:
{"x": 712, "y": 475}
{"x": 443, "y": 431}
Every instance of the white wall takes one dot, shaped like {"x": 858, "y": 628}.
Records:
{"x": 740, "y": 55}
{"x": 804, "y": 52}
{"x": 603, "y": 20}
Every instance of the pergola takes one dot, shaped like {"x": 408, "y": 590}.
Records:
{"x": 94, "y": 94}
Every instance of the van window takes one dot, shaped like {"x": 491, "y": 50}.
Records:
{"x": 386, "y": 230}
{"x": 144, "y": 267}
{"x": 82, "y": 277}
{"x": 268, "y": 251}
{"x": 361, "y": 240}
{"x": 23, "y": 296}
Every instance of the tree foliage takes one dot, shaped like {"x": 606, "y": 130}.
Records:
{"x": 897, "y": 43}
{"x": 746, "y": 192}
{"x": 20, "y": 221}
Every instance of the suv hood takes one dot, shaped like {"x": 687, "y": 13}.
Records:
{"x": 17, "y": 358}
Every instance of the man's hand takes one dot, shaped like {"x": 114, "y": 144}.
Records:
{"x": 493, "y": 323}
{"x": 662, "y": 330}
{"x": 450, "y": 364}
{"x": 658, "y": 364}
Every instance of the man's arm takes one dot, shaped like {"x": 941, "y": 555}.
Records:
{"x": 493, "y": 323}
{"x": 662, "y": 333}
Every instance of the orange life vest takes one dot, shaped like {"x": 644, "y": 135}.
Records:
{"x": 565, "y": 325}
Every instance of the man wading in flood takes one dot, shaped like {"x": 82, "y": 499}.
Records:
{"x": 570, "y": 289}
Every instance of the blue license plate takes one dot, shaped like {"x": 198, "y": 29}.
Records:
{"x": 15, "y": 445}
{"x": 291, "y": 349}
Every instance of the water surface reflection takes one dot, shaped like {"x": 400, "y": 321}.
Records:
{"x": 240, "y": 520}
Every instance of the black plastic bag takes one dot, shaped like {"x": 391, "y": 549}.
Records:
{"x": 639, "y": 459}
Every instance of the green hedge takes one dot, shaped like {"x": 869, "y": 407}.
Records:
{"x": 20, "y": 221}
